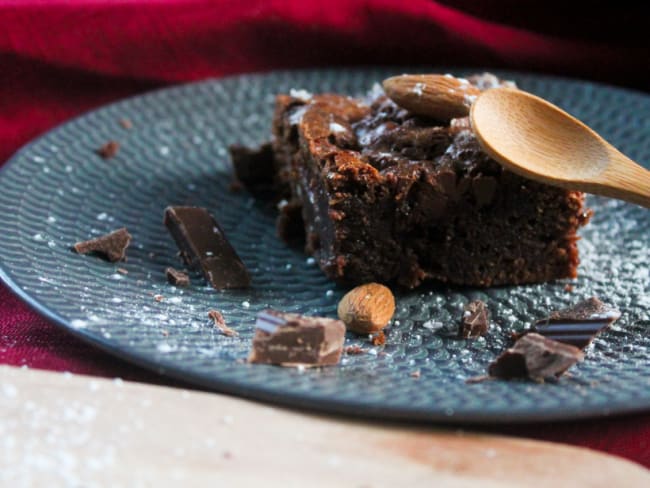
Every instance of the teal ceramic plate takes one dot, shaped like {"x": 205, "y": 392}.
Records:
{"x": 56, "y": 191}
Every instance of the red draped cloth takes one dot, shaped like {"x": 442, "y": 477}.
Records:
{"x": 61, "y": 58}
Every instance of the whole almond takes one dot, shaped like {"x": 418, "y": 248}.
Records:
{"x": 443, "y": 97}
{"x": 367, "y": 308}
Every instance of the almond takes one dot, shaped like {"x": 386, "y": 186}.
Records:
{"x": 367, "y": 308}
{"x": 442, "y": 97}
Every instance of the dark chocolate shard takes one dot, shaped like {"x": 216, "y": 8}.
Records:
{"x": 475, "y": 321}
{"x": 177, "y": 278}
{"x": 535, "y": 357}
{"x": 290, "y": 339}
{"x": 110, "y": 246}
{"x": 204, "y": 246}
{"x": 109, "y": 149}
{"x": 579, "y": 324}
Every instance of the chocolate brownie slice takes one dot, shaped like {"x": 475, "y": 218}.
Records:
{"x": 389, "y": 196}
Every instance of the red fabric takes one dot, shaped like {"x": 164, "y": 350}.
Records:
{"x": 60, "y": 58}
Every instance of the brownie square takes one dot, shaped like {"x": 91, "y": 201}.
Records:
{"x": 388, "y": 196}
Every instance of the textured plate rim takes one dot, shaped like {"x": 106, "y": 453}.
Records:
{"x": 287, "y": 399}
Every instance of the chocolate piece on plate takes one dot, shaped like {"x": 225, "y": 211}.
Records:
{"x": 475, "y": 321}
{"x": 203, "y": 245}
{"x": 109, "y": 149}
{"x": 536, "y": 357}
{"x": 220, "y": 323}
{"x": 111, "y": 246}
{"x": 290, "y": 339}
{"x": 177, "y": 278}
{"x": 577, "y": 325}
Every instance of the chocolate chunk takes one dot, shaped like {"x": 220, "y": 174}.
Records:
{"x": 475, "y": 321}
{"x": 536, "y": 357}
{"x": 111, "y": 246}
{"x": 579, "y": 324}
{"x": 290, "y": 339}
{"x": 177, "y": 278}
{"x": 220, "y": 323}
{"x": 204, "y": 246}
{"x": 109, "y": 149}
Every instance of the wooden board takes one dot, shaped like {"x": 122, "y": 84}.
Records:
{"x": 66, "y": 430}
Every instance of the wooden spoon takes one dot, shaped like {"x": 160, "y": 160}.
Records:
{"x": 68, "y": 430}
{"x": 536, "y": 139}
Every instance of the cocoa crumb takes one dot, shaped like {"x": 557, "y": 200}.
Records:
{"x": 479, "y": 379}
{"x": 415, "y": 374}
{"x": 475, "y": 321}
{"x": 158, "y": 298}
{"x": 122, "y": 271}
{"x": 126, "y": 123}
{"x": 165, "y": 332}
{"x": 109, "y": 149}
{"x": 177, "y": 278}
{"x": 379, "y": 339}
{"x": 568, "y": 287}
{"x": 235, "y": 186}
{"x": 354, "y": 350}
{"x": 220, "y": 323}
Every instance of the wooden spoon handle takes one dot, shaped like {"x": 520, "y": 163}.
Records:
{"x": 73, "y": 430}
{"x": 626, "y": 180}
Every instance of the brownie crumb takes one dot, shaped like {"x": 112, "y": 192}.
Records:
{"x": 177, "y": 278}
{"x": 379, "y": 339}
{"x": 235, "y": 186}
{"x": 416, "y": 374}
{"x": 220, "y": 323}
{"x": 112, "y": 246}
{"x": 568, "y": 287}
{"x": 109, "y": 149}
{"x": 126, "y": 124}
{"x": 158, "y": 298}
{"x": 165, "y": 332}
{"x": 122, "y": 271}
{"x": 535, "y": 357}
{"x": 475, "y": 321}
{"x": 354, "y": 350}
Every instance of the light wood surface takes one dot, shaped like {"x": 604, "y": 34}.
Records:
{"x": 538, "y": 140}
{"x": 66, "y": 430}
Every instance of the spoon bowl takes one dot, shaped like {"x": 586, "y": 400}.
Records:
{"x": 538, "y": 140}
